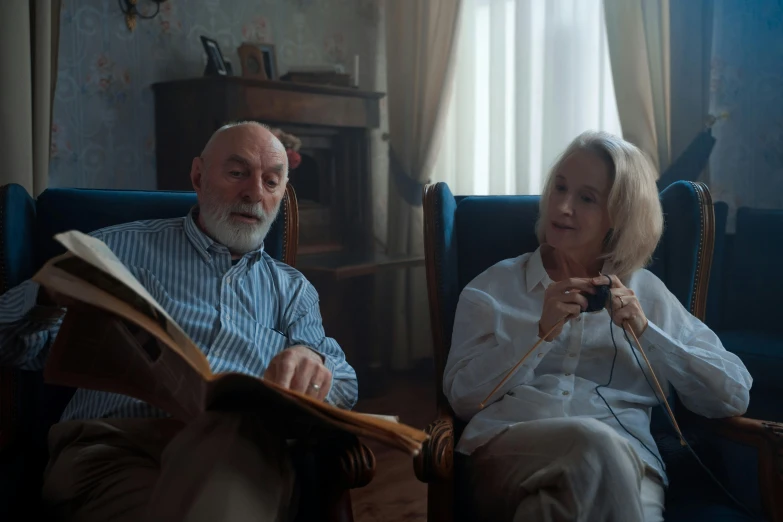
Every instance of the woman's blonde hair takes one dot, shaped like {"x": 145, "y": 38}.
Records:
{"x": 633, "y": 203}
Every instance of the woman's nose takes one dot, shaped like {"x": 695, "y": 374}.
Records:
{"x": 565, "y": 205}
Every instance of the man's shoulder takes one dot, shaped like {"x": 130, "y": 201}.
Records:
{"x": 284, "y": 273}
{"x": 147, "y": 228}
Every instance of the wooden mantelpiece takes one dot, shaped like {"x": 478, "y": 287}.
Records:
{"x": 289, "y": 102}
{"x": 204, "y": 104}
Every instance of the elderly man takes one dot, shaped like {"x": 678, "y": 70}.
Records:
{"x": 116, "y": 458}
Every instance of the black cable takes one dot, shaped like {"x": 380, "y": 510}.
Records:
{"x": 611, "y": 373}
{"x": 660, "y": 403}
{"x": 687, "y": 445}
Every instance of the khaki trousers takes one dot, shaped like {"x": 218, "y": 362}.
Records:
{"x": 558, "y": 470}
{"x": 221, "y": 467}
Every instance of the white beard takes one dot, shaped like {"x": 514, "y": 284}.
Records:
{"x": 237, "y": 236}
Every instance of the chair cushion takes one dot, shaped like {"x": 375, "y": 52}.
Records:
{"x": 753, "y": 290}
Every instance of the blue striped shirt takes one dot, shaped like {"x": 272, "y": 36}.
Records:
{"x": 241, "y": 314}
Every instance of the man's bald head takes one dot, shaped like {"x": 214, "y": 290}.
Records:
{"x": 240, "y": 180}
{"x": 253, "y": 129}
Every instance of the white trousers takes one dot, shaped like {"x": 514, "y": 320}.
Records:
{"x": 558, "y": 470}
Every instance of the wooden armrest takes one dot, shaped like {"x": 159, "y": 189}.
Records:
{"x": 347, "y": 463}
{"x": 767, "y": 438}
{"x": 436, "y": 460}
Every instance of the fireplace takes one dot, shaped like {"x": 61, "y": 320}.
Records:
{"x": 336, "y": 247}
{"x": 332, "y": 182}
{"x": 315, "y": 182}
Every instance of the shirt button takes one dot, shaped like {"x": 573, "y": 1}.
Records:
{"x": 578, "y": 318}
{"x": 228, "y": 280}
{"x": 540, "y": 354}
{"x": 568, "y": 375}
{"x": 566, "y": 393}
{"x": 228, "y": 316}
{"x": 572, "y": 355}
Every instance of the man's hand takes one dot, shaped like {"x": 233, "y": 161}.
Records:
{"x": 300, "y": 369}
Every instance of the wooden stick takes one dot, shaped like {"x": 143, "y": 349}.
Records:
{"x": 512, "y": 370}
{"x": 655, "y": 380}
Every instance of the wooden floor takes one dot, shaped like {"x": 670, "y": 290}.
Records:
{"x": 395, "y": 494}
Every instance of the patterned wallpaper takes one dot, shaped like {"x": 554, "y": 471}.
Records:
{"x": 746, "y": 166}
{"x": 103, "y": 133}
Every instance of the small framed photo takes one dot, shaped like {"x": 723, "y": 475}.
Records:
{"x": 270, "y": 61}
{"x": 259, "y": 60}
{"x": 216, "y": 65}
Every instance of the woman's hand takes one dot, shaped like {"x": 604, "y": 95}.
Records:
{"x": 625, "y": 305}
{"x": 563, "y": 299}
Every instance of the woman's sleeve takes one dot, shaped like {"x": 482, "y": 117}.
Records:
{"x": 482, "y": 352}
{"x": 709, "y": 380}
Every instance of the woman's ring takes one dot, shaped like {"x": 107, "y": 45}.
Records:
{"x": 316, "y": 387}
{"x": 622, "y": 304}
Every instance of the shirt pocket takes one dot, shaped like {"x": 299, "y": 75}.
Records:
{"x": 270, "y": 342}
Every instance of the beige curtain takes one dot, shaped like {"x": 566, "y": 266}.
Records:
{"x": 29, "y": 35}
{"x": 420, "y": 39}
{"x": 638, "y": 36}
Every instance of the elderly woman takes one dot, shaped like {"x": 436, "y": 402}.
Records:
{"x": 567, "y": 437}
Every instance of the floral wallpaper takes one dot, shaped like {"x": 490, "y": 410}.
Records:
{"x": 103, "y": 131}
{"x": 746, "y": 166}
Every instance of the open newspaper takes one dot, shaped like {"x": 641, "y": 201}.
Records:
{"x": 119, "y": 339}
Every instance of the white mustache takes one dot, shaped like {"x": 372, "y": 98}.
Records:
{"x": 252, "y": 210}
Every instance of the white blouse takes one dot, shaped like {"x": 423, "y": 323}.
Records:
{"x": 496, "y": 323}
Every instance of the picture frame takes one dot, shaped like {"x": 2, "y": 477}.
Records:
{"x": 259, "y": 61}
{"x": 216, "y": 64}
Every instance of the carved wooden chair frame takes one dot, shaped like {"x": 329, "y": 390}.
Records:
{"x": 343, "y": 464}
{"x": 435, "y": 464}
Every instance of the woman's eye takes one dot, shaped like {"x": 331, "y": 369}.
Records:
{"x": 588, "y": 199}
{"x": 272, "y": 183}
{"x": 235, "y": 173}
{"x": 560, "y": 188}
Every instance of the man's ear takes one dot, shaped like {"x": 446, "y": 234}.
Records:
{"x": 197, "y": 173}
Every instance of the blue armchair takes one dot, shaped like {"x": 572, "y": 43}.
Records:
{"x": 466, "y": 235}
{"x": 743, "y": 296}
{"x": 29, "y": 407}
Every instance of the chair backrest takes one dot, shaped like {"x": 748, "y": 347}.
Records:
{"x": 27, "y": 228}
{"x": 720, "y": 266}
{"x": 62, "y": 209}
{"x": 463, "y": 236}
{"x": 751, "y": 284}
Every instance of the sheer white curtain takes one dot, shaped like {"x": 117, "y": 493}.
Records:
{"x": 530, "y": 75}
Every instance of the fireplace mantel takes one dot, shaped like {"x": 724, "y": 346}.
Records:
{"x": 275, "y": 101}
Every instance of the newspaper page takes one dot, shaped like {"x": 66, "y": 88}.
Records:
{"x": 115, "y": 278}
{"x": 97, "y": 350}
